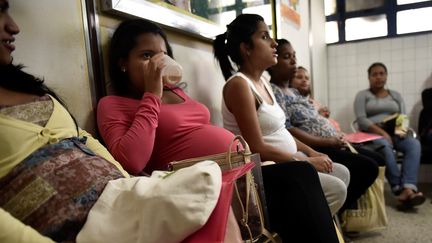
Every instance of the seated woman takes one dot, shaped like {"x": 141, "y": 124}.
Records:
{"x": 304, "y": 122}
{"x": 51, "y": 171}
{"x": 371, "y": 106}
{"x": 250, "y": 109}
{"x": 149, "y": 123}
{"x": 301, "y": 82}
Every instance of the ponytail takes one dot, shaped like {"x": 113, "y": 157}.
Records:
{"x": 221, "y": 55}
{"x": 226, "y": 47}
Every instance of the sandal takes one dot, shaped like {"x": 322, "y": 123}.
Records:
{"x": 413, "y": 199}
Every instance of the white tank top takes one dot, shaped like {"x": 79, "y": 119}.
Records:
{"x": 271, "y": 119}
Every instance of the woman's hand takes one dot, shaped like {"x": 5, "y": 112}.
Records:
{"x": 321, "y": 163}
{"x": 337, "y": 141}
{"x": 385, "y": 135}
{"x": 152, "y": 74}
{"x": 374, "y": 128}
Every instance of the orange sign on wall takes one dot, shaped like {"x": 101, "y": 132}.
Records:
{"x": 289, "y": 13}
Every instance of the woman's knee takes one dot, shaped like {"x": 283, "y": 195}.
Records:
{"x": 382, "y": 142}
{"x": 337, "y": 195}
{"x": 338, "y": 187}
{"x": 304, "y": 167}
{"x": 335, "y": 191}
{"x": 409, "y": 145}
{"x": 293, "y": 167}
{"x": 370, "y": 167}
{"x": 341, "y": 171}
{"x": 290, "y": 173}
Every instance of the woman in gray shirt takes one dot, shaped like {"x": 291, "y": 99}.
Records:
{"x": 371, "y": 106}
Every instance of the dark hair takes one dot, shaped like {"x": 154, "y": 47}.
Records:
{"x": 240, "y": 30}
{"x": 280, "y": 43}
{"x": 376, "y": 64}
{"x": 14, "y": 79}
{"x": 123, "y": 41}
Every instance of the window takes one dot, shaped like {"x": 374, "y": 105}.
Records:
{"x": 263, "y": 10}
{"x": 330, "y": 7}
{"x": 418, "y": 16}
{"x": 331, "y": 30}
{"x": 349, "y": 20}
{"x": 365, "y": 27}
{"x": 355, "y": 5}
{"x": 401, "y": 2}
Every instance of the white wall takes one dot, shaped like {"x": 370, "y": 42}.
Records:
{"x": 51, "y": 45}
{"x": 309, "y": 43}
{"x": 409, "y": 63}
{"x": 319, "y": 52}
{"x": 299, "y": 37}
{"x": 203, "y": 76}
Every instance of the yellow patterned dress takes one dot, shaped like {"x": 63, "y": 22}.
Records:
{"x": 53, "y": 189}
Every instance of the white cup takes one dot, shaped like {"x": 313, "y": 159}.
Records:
{"x": 172, "y": 72}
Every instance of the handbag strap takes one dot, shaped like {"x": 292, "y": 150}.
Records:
{"x": 246, "y": 149}
{"x": 264, "y": 231}
{"x": 250, "y": 188}
{"x": 270, "y": 237}
{"x": 245, "y": 207}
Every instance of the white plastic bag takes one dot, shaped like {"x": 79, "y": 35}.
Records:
{"x": 165, "y": 207}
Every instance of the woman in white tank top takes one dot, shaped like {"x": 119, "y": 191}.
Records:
{"x": 249, "y": 108}
{"x": 271, "y": 119}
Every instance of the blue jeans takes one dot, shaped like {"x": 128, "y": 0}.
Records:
{"x": 406, "y": 177}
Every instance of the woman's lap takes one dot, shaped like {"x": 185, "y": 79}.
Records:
{"x": 296, "y": 202}
{"x": 363, "y": 171}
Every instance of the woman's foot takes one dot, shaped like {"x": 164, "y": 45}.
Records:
{"x": 410, "y": 198}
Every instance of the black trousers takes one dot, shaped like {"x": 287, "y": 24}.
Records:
{"x": 296, "y": 204}
{"x": 363, "y": 170}
{"x": 372, "y": 154}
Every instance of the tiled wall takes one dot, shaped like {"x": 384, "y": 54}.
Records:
{"x": 409, "y": 63}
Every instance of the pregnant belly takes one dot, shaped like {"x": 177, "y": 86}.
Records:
{"x": 203, "y": 141}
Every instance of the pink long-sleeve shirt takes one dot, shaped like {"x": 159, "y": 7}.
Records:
{"x": 145, "y": 135}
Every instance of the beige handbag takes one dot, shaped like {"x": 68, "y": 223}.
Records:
{"x": 225, "y": 160}
{"x": 248, "y": 200}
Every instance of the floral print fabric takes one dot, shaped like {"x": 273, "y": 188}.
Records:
{"x": 37, "y": 112}
{"x": 302, "y": 114}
